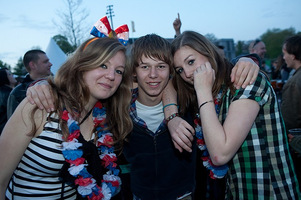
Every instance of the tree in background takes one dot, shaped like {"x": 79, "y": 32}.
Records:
{"x": 63, "y": 43}
{"x": 20, "y": 69}
{"x": 4, "y": 65}
{"x": 241, "y": 48}
{"x": 72, "y": 25}
{"x": 274, "y": 38}
{"x": 211, "y": 37}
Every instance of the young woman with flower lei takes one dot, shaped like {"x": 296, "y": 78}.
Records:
{"x": 242, "y": 128}
{"x": 92, "y": 97}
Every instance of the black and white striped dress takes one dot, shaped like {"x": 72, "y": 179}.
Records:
{"x": 36, "y": 176}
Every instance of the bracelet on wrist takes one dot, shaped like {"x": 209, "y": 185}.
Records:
{"x": 171, "y": 104}
{"x": 171, "y": 117}
{"x": 205, "y": 103}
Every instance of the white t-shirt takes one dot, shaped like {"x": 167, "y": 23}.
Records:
{"x": 152, "y": 115}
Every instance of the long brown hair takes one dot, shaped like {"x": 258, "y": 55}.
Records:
{"x": 222, "y": 67}
{"x": 71, "y": 93}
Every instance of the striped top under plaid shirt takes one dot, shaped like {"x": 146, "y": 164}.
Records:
{"x": 262, "y": 168}
{"x": 36, "y": 176}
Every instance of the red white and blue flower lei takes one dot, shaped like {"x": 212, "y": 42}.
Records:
{"x": 215, "y": 171}
{"x": 87, "y": 186}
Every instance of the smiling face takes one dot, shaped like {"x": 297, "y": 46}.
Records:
{"x": 152, "y": 77}
{"x": 186, "y": 60}
{"x": 11, "y": 78}
{"x": 105, "y": 80}
{"x": 260, "y": 49}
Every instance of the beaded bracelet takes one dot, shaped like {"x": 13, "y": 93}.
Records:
{"x": 171, "y": 117}
{"x": 205, "y": 103}
{"x": 171, "y": 104}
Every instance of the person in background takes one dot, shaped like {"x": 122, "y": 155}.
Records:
{"x": 38, "y": 66}
{"x": 258, "y": 47}
{"x": 70, "y": 152}
{"x": 7, "y": 83}
{"x": 276, "y": 68}
{"x": 242, "y": 128}
{"x": 221, "y": 49}
{"x": 291, "y": 92}
{"x": 177, "y": 26}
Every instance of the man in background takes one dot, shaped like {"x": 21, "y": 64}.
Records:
{"x": 291, "y": 95}
{"x": 258, "y": 47}
{"x": 38, "y": 66}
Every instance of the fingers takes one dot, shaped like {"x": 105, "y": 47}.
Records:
{"x": 233, "y": 73}
{"x": 178, "y": 147}
{"x": 48, "y": 100}
{"x": 33, "y": 97}
{"x": 251, "y": 74}
{"x": 182, "y": 134}
{"x": 254, "y": 77}
{"x": 243, "y": 78}
{"x": 178, "y": 15}
{"x": 41, "y": 95}
{"x": 237, "y": 77}
{"x": 29, "y": 96}
{"x": 244, "y": 73}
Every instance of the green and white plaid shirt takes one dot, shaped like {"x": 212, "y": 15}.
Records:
{"x": 262, "y": 168}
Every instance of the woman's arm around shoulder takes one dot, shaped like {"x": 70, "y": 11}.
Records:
{"x": 15, "y": 139}
{"x": 223, "y": 140}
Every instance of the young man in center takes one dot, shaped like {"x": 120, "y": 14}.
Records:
{"x": 158, "y": 170}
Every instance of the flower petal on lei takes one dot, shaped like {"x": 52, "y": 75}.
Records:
{"x": 72, "y": 154}
{"x": 85, "y": 190}
{"x": 77, "y": 161}
{"x": 83, "y": 181}
{"x": 74, "y": 135}
{"x": 74, "y": 170}
{"x": 106, "y": 191}
{"x": 106, "y": 140}
{"x": 71, "y": 145}
{"x": 109, "y": 159}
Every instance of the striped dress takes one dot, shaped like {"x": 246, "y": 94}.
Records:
{"x": 262, "y": 168}
{"x": 36, "y": 176}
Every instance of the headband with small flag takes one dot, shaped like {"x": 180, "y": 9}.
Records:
{"x": 102, "y": 28}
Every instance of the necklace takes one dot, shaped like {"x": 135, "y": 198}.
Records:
{"x": 87, "y": 186}
{"x": 215, "y": 171}
{"x": 86, "y": 116}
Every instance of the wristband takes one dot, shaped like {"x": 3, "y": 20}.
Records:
{"x": 171, "y": 117}
{"x": 205, "y": 103}
{"x": 171, "y": 104}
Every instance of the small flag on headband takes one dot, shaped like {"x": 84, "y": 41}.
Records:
{"x": 102, "y": 28}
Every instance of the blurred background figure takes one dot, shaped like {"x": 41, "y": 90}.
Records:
{"x": 177, "y": 26}
{"x": 38, "y": 66}
{"x": 7, "y": 83}
{"x": 291, "y": 93}
{"x": 258, "y": 47}
{"x": 276, "y": 68}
